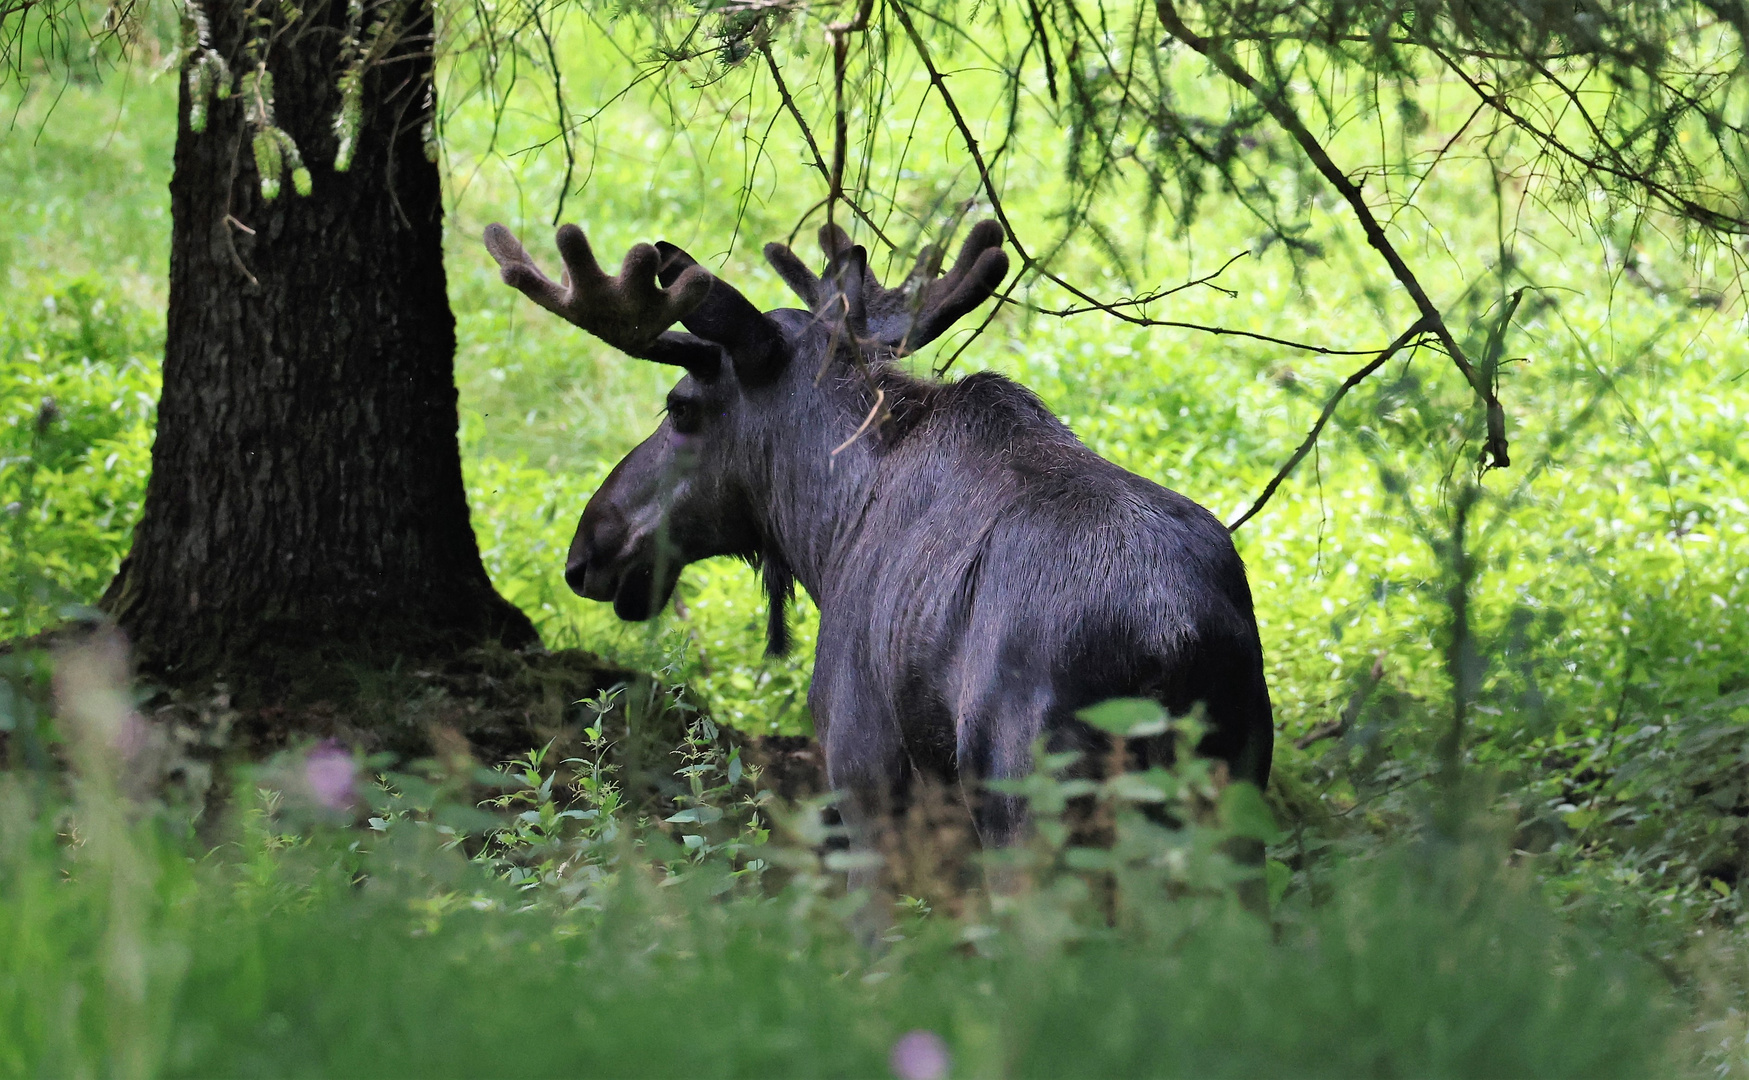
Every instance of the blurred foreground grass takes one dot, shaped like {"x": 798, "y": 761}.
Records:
{"x": 609, "y": 945}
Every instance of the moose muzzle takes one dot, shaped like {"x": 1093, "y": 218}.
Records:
{"x": 611, "y": 560}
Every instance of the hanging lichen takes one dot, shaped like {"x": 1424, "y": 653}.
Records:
{"x": 362, "y": 47}
{"x": 351, "y": 86}
{"x": 294, "y": 161}
{"x": 367, "y": 41}
{"x": 208, "y": 76}
{"x": 275, "y": 150}
{"x": 268, "y": 163}
{"x": 428, "y": 133}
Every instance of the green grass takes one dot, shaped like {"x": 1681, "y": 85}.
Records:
{"x": 1611, "y": 696}
{"x": 320, "y": 951}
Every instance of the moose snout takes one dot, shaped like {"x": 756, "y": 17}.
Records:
{"x": 595, "y": 550}
{"x": 577, "y": 570}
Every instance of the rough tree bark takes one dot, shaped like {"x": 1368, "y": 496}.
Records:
{"x": 306, "y": 489}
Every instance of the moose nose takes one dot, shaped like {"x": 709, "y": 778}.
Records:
{"x": 601, "y": 534}
{"x": 575, "y": 570}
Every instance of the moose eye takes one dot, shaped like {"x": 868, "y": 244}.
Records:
{"x": 686, "y": 416}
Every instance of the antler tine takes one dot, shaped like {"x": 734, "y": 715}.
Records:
{"x": 834, "y": 241}
{"x": 795, "y": 273}
{"x": 629, "y": 311}
{"x": 519, "y": 271}
{"x": 977, "y": 271}
{"x": 916, "y": 313}
{"x": 986, "y": 237}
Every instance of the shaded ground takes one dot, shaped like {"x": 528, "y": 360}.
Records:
{"x": 487, "y": 706}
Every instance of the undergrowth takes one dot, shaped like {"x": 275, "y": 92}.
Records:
{"x": 556, "y": 928}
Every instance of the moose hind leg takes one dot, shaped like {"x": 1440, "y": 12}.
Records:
{"x": 995, "y": 743}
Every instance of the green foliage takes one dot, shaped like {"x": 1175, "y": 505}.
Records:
{"x": 292, "y": 950}
{"x": 1604, "y": 675}
{"x": 208, "y": 76}
{"x": 78, "y": 391}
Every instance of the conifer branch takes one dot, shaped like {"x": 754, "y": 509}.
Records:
{"x": 1275, "y": 103}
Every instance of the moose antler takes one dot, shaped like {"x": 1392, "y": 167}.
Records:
{"x": 912, "y": 315}
{"x": 629, "y": 312}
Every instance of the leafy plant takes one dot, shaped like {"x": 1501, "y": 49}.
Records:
{"x": 77, "y": 397}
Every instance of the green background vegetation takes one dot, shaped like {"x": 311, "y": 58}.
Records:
{"x": 1609, "y": 731}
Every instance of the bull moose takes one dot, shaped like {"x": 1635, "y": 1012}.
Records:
{"x": 980, "y": 574}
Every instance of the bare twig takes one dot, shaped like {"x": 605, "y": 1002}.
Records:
{"x": 1277, "y": 106}
{"x": 838, "y": 36}
{"x": 546, "y": 38}
{"x": 1161, "y": 294}
{"x": 1678, "y": 203}
{"x": 1407, "y": 337}
{"x": 874, "y": 413}
{"x": 1029, "y": 262}
{"x": 789, "y": 104}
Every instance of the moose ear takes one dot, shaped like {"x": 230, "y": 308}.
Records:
{"x": 847, "y": 276}
{"x": 752, "y": 339}
{"x": 840, "y": 294}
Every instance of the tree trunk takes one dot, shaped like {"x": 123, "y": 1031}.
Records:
{"x": 306, "y": 490}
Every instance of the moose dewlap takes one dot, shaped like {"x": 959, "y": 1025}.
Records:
{"x": 980, "y": 574}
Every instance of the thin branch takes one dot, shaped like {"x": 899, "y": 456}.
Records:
{"x": 1029, "y": 262}
{"x": 1350, "y": 712}
{"x": 874, "y": 413}
{"x": 1623, "y": 171}
{"x": 977, "y": 331}
{"x": 546, "y": 38}
{"x": 1410, "y": 336}
{"x": 838, "y": 36}
{"x": 789, "y": 104}
{"x": 1139, "y": 301}
{"x": 1277, "y": 106}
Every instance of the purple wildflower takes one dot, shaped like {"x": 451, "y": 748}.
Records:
{"x": 919, "y": 1055}
{"x": 330, "y": 773}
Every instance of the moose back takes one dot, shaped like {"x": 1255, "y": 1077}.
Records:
{"x": 980, "y": 574}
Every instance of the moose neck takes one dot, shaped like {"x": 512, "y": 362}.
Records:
{"x": 817, "y": 479}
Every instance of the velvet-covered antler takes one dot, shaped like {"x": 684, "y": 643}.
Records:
{"x": 912, "y": 315}
{"x": 631, "y": 312}
{"x": 729, "y": 319}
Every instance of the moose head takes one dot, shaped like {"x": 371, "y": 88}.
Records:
{"x": 756, "y": 389}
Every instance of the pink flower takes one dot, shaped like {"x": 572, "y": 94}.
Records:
{"x": 919, "y": 1055}
{"x": 330, "y": 773}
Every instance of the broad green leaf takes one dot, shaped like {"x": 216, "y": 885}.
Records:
{"x": 1245, "y": 814}
{"x": 1155, "y": 785}
{"x": 1277, "y": 875}
{"x": 1130, "y": 717}
{"x": 696, "y": 815}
